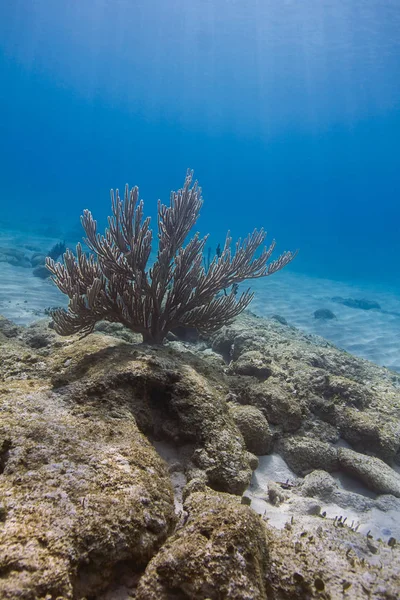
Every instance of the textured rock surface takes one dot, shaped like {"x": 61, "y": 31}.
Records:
{"x": 369, "y": 431}
{"x": 253, "y": 364}
{"x": 305, "y": 454}
{"x": 82, "y": 491}
{"x": 8, "y": 329}
{"x": 254, "y": 428}
{"x": 86, "y": 502}
{"x": 221, "y": 552}
{"x": 170, "y": 398}
{"x": 321, "y": 485}
{"x": 275, "y": 398}
{"x": 373, "y": 472}
{"x": 314, "y": 387}
{"x": 325, "y": 314}
{"x": 323, "y": 560}
{"x": 225, "y": 551}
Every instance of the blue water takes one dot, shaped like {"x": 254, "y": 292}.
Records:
{"x": 288, "y": 112}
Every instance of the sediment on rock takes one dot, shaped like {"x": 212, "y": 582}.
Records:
{"x": 80, "y": 493}
{"x": 85, "y": 496}
{"x": 220, "y": 552}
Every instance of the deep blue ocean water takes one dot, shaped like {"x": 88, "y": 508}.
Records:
{"x": 287, "y": 110}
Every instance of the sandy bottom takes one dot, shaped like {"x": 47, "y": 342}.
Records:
{"x": 24, "y": 297}
{"x": 371, "y": 334}
{"x": 380, "y": 523}
{"x": 377, "y": 519}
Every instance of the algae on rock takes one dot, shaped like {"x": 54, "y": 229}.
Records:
{"x": 84, "y": 495}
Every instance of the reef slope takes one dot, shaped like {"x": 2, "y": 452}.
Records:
{"x": 89, "y": 508}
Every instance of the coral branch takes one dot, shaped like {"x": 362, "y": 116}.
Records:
{"x": 114, "y": 284}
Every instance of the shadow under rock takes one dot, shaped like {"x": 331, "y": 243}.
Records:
{"x": 126, "y": 391}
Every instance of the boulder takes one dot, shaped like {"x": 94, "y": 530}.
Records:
{"x": 86, "y": 504}
{"x": 41, "y": 271}
{"x": 373, "y": 472}
{"x": 276, "y": 400}
{"x": 8, "y": 329}
{"x": 80, "y": 494}
{"x": 361, "y": 303}
{"x": 38, "y": 335}
{"x": 38, "y": 259}
{"x": 169, "y": 399}
{"x": 280, "y": 319}
{"x": 254, "y": 428}
{"x": 306, "y": 454}
{"x": 319, "y": 484}
{"x": 221, "y": 552}
{"x": 322, "y": 486}
{"x": 370, "y": 432}
{"x": 224, "y": 550}
{"x": 252, "y": 364}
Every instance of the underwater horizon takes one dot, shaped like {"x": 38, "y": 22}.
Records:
{"x": 287, "y": 112}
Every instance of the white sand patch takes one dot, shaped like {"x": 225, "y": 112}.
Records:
{"x": 380, "y": 517}
{"x": 24, "y": 297}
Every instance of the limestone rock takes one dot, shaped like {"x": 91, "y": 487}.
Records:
{"x": 225, "y": 551}
{"x": 252, "y": 364}
{"x": 38, "y": 259}
{"x": 363, "y": 303}
{"x": 306, "y": 454}
{"x": 275, "y": 493}
{"x": 38, "y": 335}
{"x": 275, "y": 399}
{"x": 313, "y": 382}
{"x": 221, "y": 552}
{"x": 119, "y": 331}
{"x": 348, "y": 392}
{"x": 41, "y": 271}
{"x": 324, "y": 561}
{"x": 254, "y": 428}
{"x": 321, "y": 485}
{"x": 370, "y": 433}
{"x": 373, "y": 472}
{"x": 324, "y": 314}
{"x": 253, "y": 460}
{"x": 84, "y": 497}
{"x": 168, "y": 399}
{"x": 9, "y": 329}
{"x": 280, "y": 319}
{"x": 81, "y": 492}
{"x": 19, "y": 362}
